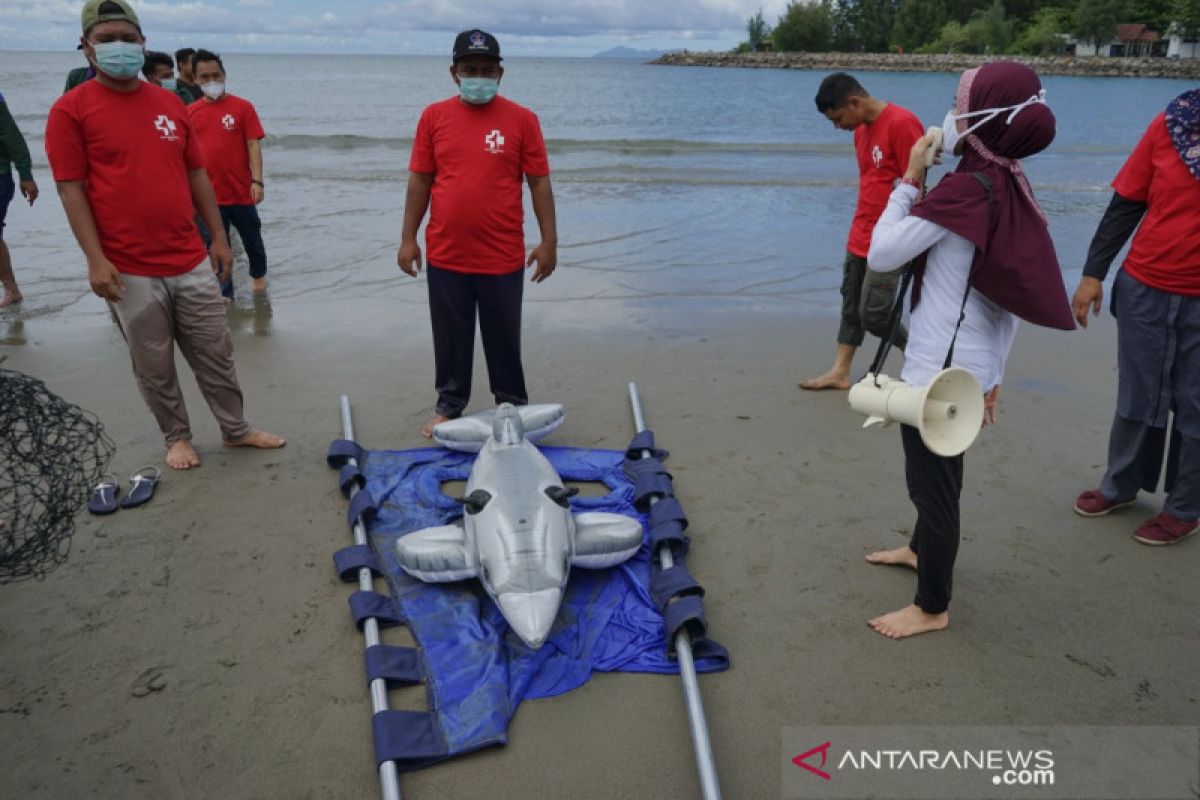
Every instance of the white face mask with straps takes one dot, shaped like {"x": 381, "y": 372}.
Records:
{"x": 951, "y": 135}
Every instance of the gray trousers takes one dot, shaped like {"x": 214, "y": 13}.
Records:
{"x": 867, "y": 300}
{"x": 154, "y": 315}
{"x": 1158, "y": 352}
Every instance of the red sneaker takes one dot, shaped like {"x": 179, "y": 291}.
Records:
{"x": 1166, "y": 529}
{"x": 1093, "y": 504}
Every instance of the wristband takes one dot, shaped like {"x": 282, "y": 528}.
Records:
{"x": 260, "y": 183}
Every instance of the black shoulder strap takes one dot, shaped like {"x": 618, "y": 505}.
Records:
{"x": 962, "y": 311}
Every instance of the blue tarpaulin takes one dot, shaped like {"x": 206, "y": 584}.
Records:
{"x": 476, "y": 670}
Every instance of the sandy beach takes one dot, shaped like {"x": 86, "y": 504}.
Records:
{"x": 200, "y": 647}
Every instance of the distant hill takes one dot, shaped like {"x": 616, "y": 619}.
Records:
{"x": 628, "y": 52}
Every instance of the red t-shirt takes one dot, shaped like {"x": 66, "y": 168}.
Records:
{"x": 883, "y": 148}
{"x": 222, "y": 128}
{"x": 478, "y": 156}
{"x": 133, "y": 151}
{"x": 1166, "y": 248}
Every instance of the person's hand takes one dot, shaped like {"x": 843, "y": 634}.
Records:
{"x": 29, "y": 190}
{"x": 990, "y": 401}
{"x": 1089, "y": 294}
{"x": 222, "y": 259}
{"x": 546, "y": 256}
{"x": 409, "y": 258}
{"x": 105, "y": 280}
{"x": 257, "y": 193}
{"x": 916, "y": 158}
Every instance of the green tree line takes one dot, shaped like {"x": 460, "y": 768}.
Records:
{"x": 1027, "y": 27}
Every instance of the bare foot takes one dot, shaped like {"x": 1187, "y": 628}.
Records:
{"x": 903, "y": 556}
{"x": 181, "y": 455}
{"x": 262, "y": 439}
{"x": 427, "y": 428}
{"x": 909, "y": 621}
{"x": 259, "y": 284}
{"x": 830, "y": 380}
{"x": 10, "y": 298}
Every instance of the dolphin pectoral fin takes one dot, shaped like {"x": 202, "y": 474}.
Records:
{"x": 541, "y": 420}
{"x": 436, "y": 555}
{"x": 466, "y": 434}
{"x": 604, "y": 540}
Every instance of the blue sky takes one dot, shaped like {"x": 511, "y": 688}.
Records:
{"x": 417, "y": 27}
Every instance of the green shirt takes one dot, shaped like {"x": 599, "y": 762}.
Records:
{"x": 78, "y": 76}
{"x": 13, "y": 150}
{"x": 188, "y": 94}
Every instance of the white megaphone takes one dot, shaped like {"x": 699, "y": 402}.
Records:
{"x": 948, "y": 412}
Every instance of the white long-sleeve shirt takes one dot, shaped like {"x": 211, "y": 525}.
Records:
{"x": 987, "y": 331}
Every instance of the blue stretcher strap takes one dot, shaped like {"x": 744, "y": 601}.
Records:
{"x": 373, "y": 604}
{"x": 686, "y": 612}
{"x": 668, "y": 510}
{"x": 362, "y": 503}
{"x": 340, "y": 451}
{"x": 670, "y": 532}
{"x": 644, "y": 441}
{"x": 399, "y": 666}
{"x": 410, "y": 738}
{"x": 349, "y": 560}
{"x": 650, "y": 481}
{"x": 669, "y": 584}
{"x": 351, "y": 475}
{"x": 710, "y": 655}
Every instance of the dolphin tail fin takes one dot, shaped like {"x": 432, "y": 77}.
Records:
{"x": 468, "y": 434}
{"x": 604, "y": 540}
{"x": 436, "y": 555}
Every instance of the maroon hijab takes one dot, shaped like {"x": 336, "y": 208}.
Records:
{"x": 1015, "y": 264}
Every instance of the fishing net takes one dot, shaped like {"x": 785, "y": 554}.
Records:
{"x": 51, "y": 454}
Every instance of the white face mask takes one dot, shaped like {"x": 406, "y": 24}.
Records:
{"x": 951, "y": 135}
{"x": 213, "y": 91}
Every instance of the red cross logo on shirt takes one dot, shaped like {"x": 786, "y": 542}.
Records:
{"x": 166, "y": 126}
{"x": 494, "y": 142}
{"x": 229, "y": 122}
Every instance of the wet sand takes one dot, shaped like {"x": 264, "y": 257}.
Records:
{"x": 201, "y": 647}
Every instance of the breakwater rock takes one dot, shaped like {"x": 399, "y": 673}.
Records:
{"x": 1096, "y": 66}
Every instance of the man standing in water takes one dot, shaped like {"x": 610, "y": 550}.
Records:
{"x": 884, "y": 133}
{"x": 469, "y": 156}
{"x": 130, "y": 178}
{"x": 230, "y": 137}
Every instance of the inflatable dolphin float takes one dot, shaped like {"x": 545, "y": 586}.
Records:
{"x": 517, "y": 535}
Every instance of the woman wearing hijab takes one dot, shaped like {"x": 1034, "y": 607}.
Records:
{"x": 1156, "y": 300}
{"x": 988, "y": 259}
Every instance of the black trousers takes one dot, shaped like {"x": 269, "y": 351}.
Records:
{"x": 454, "y": 299}
{"x": 934, "y": 485}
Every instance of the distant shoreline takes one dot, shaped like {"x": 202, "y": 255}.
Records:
{"x": 1100, "y": 67}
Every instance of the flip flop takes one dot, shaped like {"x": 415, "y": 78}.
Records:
{"x": 104, "y": 496}
{"x": 141, "y": 487}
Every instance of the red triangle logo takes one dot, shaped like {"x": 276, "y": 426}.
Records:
{"x": 823, "y": 749}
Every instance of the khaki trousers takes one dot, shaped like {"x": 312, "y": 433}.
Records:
{"x": 154, "y": 315}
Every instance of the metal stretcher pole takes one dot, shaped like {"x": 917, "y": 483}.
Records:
{"x": 709, "y": 788}
{"x": 389, "y": 776}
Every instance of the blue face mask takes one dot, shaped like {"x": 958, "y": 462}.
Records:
{"x": 478, "y": 91}
{"x": 119, "y": 60}
{"x": 169, "y": 84}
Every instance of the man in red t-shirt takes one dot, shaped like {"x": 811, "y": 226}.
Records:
{"x": 131, "y": 179}
{"x": 1156, "y": 300}
{"x": 884, "y": 134}
{"x": 230, "y": 136}
{"x": 469, "y": 156}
